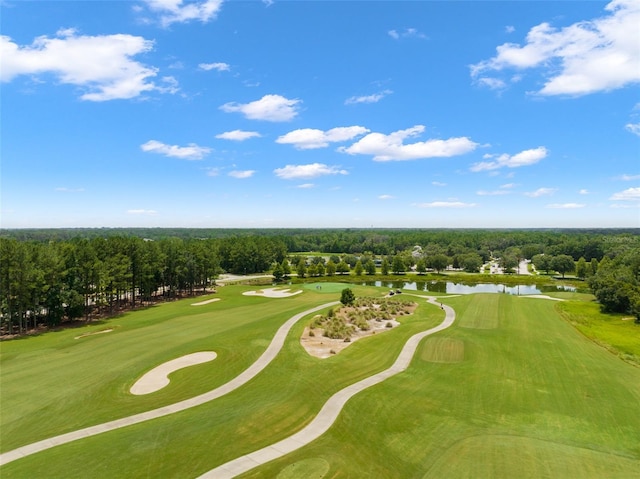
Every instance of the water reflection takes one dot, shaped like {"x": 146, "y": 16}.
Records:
{"x": 460, "y": 288}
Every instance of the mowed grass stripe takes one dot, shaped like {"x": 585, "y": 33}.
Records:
{"x": 443, "y": 350}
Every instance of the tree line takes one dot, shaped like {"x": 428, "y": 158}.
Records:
{"x": 47, "y": 276}
{"x": 45, "y": 282}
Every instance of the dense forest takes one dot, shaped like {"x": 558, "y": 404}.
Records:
{"x": 50, "y": 276}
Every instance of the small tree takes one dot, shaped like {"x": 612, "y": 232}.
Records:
{"x": 438, "y": 262}
{"x": 385, "y": 267}
{"x": 347, "y": 297}
{"x": 301, "y": 268}
{"x": 359, "y": 268}
{"x": 331, "y": 268}
{"x": 581, "y": 268}
{"x": 370, "y": 267}
{"x": 278, "y": 273}
{"x": 398, "y": 265}
{"x": 563, "y": 264}
{"x": 421, "y": 266}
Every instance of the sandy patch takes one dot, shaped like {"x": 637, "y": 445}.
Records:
{"x": 540, "y": 296}
{"x": 92, "y": 334}
{"x": 157, "y": 378}
{"x": 202, "y": 303}
{"x": 273, "y": 292}
{"x": 322, "y": 347}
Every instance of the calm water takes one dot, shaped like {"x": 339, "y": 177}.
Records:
{"x": 459, "y": 288}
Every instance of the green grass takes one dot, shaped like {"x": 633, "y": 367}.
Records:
{"x": 528, "y": 397}
{"x": 616, "y": 332}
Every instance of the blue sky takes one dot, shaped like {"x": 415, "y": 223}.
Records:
{"x": 320, "y": 114}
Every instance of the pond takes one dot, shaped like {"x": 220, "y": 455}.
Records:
{"x": 460, "y": 288}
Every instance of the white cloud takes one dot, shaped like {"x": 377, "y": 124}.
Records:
{"x": 406, "y": 33}
{"x": 241, "y": 175}
{"x": 305, "y": 186}
{"x": 268, "y": 108}
{"x": 541, "y": 192}
{"x": 524, "y": 158}
{"x": 391, "y": 147}
{"x": 492, "y": 83}
{"x": 566, "y": 206}
{"x": 313, "y": 170}
{"x": 101, "y": 65}
{"x": 309, "y": 138}
{"x": 177, "y": 11}
{"x": 386, "y": 197}
{"x": 509, "y": 29}
{"x": 142, "y": 212}
{"x": 630, "y": 194}
{"x": 213, "y": 171}
{"x": 626, "y": 177}
{"x": 583, "y": 191}
{"x": 438, "y": 183}
{"x": 445, "y": 204}
{"x": 586, "y": 57}
{"x": 189, "y": 152}
{"x": 375, "y": 98}
{"x": 633, "y": 128}
{"x": 220, "y": 67}
{"x": 238, "y": 135}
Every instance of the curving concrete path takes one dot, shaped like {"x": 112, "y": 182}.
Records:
{"x": 262, "y": 362}
{"x": 331, "y": 409}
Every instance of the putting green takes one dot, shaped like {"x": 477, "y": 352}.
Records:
{"x": 326, "y": 287}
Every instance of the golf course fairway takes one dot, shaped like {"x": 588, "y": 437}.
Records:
{"x": 510, "y": 390}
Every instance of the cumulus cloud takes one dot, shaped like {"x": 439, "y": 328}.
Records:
{"x": 189, "y": 152}
{"x": 446, "y": 204}
{"x": 406, "y": 33}
{"x": 630, "y": 194}
{"x": 524, "y": 158}
{"x": 386, "y": 197}
{"x": 586, "y": 57}
{"x": 101, "y": 65}
{"x": 219, "y": 67}
{"x": 391, "y": 147}
{"x": 269, "y": 108}
{"x": 633, "y": 128}
{"x": 177, "y": 11}
{"x": 313, "y": 170}
{"x": 566, "y": 206}
{"x": 375, "y": 98}
{"x": 241, "y": 175}
{"x": 541, "y": 192}
{"x": 309, "y": 138}
{"x": 238, "y": 135}
{"x": 626, "y": 177}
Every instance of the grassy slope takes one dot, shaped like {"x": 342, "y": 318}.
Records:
{"x": 531, "y": 398}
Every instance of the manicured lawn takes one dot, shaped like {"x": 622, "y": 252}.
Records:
{"x": 511, "y": 390}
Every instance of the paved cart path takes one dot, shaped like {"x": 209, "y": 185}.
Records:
{"x": 330, "y": 411}
{"x": 262, "y": 362}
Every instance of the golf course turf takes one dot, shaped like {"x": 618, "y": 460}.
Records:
{"x": 510, "y": 390}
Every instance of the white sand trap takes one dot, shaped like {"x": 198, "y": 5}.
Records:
{"x": 202, "y": 303}
{"x": 158, "y": 377}
{"x": 540, "y": 296}
{"x": 272, "y": 293}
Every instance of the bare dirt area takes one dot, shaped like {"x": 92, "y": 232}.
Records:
{"x": 328, "y": 335}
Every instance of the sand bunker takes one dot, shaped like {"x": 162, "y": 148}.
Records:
{"x": 158, "y": 378}
{"x": 273, "y": 292}
{"x": 201, "y": 303}
{"x": 540, "y": 296}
